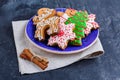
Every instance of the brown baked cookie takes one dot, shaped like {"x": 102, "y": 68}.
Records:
{"x": 35, "y": 20}
{"x": 43, "y": 13}
{"x": 49, "y": 12}
{"x": 49, "y": 25}
{"x": 64, "y": 35}
{"x": 46, "y": 22}
{"x": 70, "y": 12}
{"x": 60, "y": 13}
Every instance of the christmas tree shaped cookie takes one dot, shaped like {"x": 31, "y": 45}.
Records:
{"x": 79, "y": 19}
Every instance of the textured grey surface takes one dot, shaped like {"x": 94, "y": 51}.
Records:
{"x": 106, "y": 67}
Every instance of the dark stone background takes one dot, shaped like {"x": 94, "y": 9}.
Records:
{"x": 106, "y": 67}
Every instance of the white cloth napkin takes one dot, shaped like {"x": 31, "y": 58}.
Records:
{"x": 55, "y": 60}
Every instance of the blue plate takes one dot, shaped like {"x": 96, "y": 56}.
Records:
{"x": 86, "y": 42}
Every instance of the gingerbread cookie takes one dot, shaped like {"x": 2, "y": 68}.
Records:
{"x": 60, "y": 13}
{"x": 48, "y": 13}
{"x": 50, "y": 24}
{"x": 46, "y": 21}
{"x": 65, "y": 34}
{"x": 43, "y": 13}
{"x": 79, "y": 19}
{"x": 35, "y": 20}
{"x": 91, "y": 24}
{"x": 70, "y": 12}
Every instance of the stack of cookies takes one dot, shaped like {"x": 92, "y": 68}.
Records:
{"x": 63, "y": 28}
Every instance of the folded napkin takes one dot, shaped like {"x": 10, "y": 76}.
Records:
{"x": 55, "y": 60}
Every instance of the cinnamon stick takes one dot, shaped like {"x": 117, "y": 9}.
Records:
{"x": 39, "y": 61}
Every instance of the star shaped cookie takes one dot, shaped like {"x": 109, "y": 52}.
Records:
{"x": 64, "y": 35}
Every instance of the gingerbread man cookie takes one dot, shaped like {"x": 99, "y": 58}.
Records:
{"x": 65, "y": 34}
{"x": 70, "y": 12}
{"x": 91, "y": 24}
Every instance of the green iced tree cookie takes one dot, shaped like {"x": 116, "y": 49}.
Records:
{"x": 79, "y": 19}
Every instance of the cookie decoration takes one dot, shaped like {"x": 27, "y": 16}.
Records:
{"x": 79, "y": 19}
{"x": 91, "y": 24}
{"x": 46, "y": 21}
{"x": 65, "y": 34}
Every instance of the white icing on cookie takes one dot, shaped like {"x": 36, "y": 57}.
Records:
{"x": 91, "y": 24}
{"x": 45, "y": 23}
{"x": 65, "y": 34}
